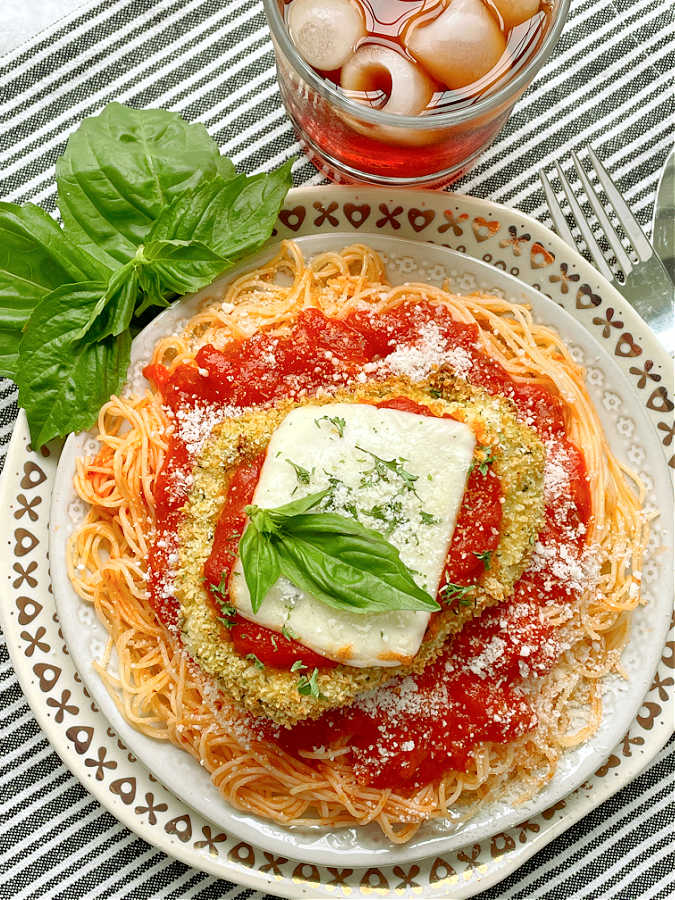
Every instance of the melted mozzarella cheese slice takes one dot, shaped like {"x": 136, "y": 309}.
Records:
{"x": 319, "y": 446}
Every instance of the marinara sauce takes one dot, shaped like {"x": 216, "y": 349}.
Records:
{"x": 459, "y": 702}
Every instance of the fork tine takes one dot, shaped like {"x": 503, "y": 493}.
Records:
{"x": 628, "y": 221}
{"x": 586, "y": 233}
{"x": 559, "y": 220}
{"x": 613, "y": 238}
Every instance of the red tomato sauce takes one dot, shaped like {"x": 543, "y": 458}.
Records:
{"x": 471, "y": 693}
{"x": 271, "y": 648}
{"x": 480, "y": 515}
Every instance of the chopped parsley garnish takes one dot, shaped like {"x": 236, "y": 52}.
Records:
{"x": 303, "y": 475}
{"x": 392, "y": 514}
{"x": 349, "y": 506}
{"x": 485, "y": 557}
{"x": 434, "y": 392}
{"x": 457, "y": 593}
{"x": 427, "y": 518}
{"x": 221, "y": 587}
{"x": 351, "y": 509}
{"x": 308, "y": 686}
{"x": 288, "y": 632}
{"x": 226, "y": 608}
{"x": 382, "y": 469}
{"x": 334, "y": 483}
{"x": 337, "y": 422}
{"x": 485, "y": 459}
{"x": 220, "y": 596}
{"x": 259, "y": 664}
{"x": 298, "y": 665}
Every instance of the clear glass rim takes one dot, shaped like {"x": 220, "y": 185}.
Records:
{"x": 418, "y": 123}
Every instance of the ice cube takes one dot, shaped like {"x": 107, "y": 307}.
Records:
{"x": 515, "y": 12}
{"x": 325, "y": 32}
{"x": 374, "y": 69}
{"x": 458, "y": 47}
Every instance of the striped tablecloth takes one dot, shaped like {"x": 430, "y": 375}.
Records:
{"x": 607, "y": 83}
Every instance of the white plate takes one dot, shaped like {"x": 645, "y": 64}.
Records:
{"x": 361, "y": 846}
{"x": 509, "y": 242}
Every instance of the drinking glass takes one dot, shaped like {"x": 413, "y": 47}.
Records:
{"x": 353, "y": 143}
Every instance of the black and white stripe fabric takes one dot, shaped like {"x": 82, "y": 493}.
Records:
{"x": 608, "y": 84}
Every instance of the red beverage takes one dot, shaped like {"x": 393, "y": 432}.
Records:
{"x": 406, "y": 91}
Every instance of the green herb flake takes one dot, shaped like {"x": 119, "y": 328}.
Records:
{"x": 298, "y": 666}
{"x": 483, "y": 459}
{"x": 351, "y": 508}
{"x": 435, "y": 393}
{"x": 382, "y": 469}
{"x": 227, "y": 610}
{"x": 457, "y": 593}
{"x": 485, "y": 557}
{"x": 254, "y": 659}
{"x": 303, "y": 475}
{"x": 309, "y": 687}
{"x": 288, "y": 632}
{"x": 337, "y": 422}
{"x": 391, "y": 515}
{"x": 428, "y": 519}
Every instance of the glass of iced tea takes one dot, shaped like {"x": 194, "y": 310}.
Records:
{"x": 406, "y": 92}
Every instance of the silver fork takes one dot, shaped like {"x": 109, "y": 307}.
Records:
{"x": 646, "y": 285}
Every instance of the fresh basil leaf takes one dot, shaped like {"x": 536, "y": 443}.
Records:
{"x": 35, "y": 258}
{"x": 120, "y": 301}
{"x": 369, "y": 551}
{"x": 230, "y": 217}
{"x": 261, "y": 520}
{"x": 295, "y": 507}
{"x": 113, "y": 311}
{"x": 159, "y": 271}
{"x": 178, "y": 267}
{"x": 64, "y": 380}
{"x": 224, "y": 166}
{"x": 357, "y": 582}
{"x": 260, "y": 564}
{"x": 334, "y": 558}
{"x": 122, "y": 168}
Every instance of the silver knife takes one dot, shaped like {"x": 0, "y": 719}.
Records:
{"x": 663, "y": 222}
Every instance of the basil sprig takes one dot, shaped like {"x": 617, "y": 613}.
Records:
{"x": 332, "y": 557}
{"x": 150, "y": 211}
